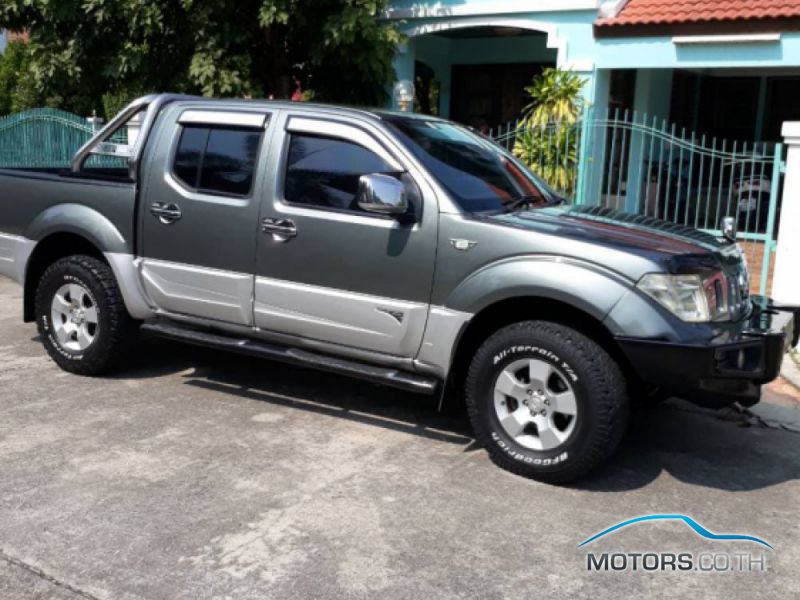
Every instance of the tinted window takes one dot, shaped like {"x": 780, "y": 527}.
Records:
{"x": 325, "y": 171}
{"x": 479, "y": 175}
{"x": 217, "y": 160}
{"x": 229, "y": 161}
{"x": 190, "y": 151}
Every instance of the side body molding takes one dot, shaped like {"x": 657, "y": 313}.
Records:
{"x": 580, "y": 284}
{"x": 83, "y": 221}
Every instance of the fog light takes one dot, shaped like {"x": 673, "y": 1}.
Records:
{"x": 741, "y": 361}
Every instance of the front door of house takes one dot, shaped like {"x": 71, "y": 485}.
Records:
{"x": 484, "y": 96}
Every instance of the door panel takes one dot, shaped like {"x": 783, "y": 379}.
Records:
{"x": 197, "y": 291}
{"x": 346, "y": 277}
{"x": 339, "y": 316}
{"x": 207, "y": 167}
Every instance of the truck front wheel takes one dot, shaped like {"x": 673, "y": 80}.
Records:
{"x": 81, "y": 316}
{"x": 546, "y": 401}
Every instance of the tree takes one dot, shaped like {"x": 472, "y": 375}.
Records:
{"x": 96, "y": 54}
{"x": 556, "y": 95}
{"x": 17, "y": 91}
{"x": 547, "y": 138}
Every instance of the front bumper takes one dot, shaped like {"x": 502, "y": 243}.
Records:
{"x": 727, "y": 369}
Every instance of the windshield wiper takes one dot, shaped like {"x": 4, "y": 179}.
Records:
{"x": 526, "y": 202}
{"x": 522, "y": 202}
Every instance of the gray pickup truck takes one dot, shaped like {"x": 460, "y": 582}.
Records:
{"x": 401, "y": 249}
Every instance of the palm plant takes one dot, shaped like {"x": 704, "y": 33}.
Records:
{"x": 547, "y": 138}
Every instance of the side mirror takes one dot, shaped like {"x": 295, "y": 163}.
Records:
{"x": 382, "y": 194}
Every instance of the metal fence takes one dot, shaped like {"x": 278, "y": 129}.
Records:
{"x": 648, "y": 166}
{"x": 47, "y": 138}
{"x": 550, "y": 149}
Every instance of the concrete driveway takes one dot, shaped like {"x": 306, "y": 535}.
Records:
{"x": 194, "y": 474}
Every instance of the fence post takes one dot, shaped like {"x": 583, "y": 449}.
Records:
{"x": 786, "y": 282}
{"x": 584, "y": 131}
{"x": 635, "y": 166}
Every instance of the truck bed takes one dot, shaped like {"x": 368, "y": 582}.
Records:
{"x": 28, "y": 195}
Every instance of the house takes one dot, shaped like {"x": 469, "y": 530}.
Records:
{"x": 480, "y": 53}
{"x": 686, "y": 97}
{"x": 724, "y": 68}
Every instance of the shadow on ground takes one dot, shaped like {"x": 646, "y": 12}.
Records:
{"x": 693, "y": 445}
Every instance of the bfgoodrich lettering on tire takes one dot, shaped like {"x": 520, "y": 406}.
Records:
{"x": 546, "y": 401}
{"x": 81, "y": 316}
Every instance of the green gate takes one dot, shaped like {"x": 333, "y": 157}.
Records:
{"x": 647, "y": 166}
{"x": 48, "y": 138}
{"x": 41, "y": 138}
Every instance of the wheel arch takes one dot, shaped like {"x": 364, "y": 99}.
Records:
{"x": 61, "y": 244}
{"x": 82, "y": 221}
{"x": 48, "y": 250}
{"x": 515, "y": 309}
{"x": 68, "y": 229}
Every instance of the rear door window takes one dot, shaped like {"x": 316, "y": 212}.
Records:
{"x": 217, "y": 160}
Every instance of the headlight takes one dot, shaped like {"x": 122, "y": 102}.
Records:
{"x": 691, "y": 298}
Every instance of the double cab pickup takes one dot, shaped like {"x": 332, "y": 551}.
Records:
{"x": 406, "y": 250}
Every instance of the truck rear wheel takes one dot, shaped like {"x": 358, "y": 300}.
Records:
{"x": 546, "y": 401}
{"x": 81, "y": 316}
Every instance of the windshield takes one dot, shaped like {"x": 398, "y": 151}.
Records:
{"x": 479, "y": 175}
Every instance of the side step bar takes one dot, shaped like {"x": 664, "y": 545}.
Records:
{"x": 387, "y": 376}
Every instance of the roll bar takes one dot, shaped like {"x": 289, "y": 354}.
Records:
{"x": 99, "y": 145}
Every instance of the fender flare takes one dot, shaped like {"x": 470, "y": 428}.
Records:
{"x": 82, "y": 221}
{"x": 583, "y": 285}
{"x": 97, "y": 229}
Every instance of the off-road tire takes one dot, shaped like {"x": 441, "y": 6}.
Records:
{"x": 117, "y": 331}
{"x": 598, "y": 384}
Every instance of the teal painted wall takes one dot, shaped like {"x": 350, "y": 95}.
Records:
{"x": 573, "y": 28}
{"x": 651, "y": 96}
{"x": 660, "y": 52}
{"x": 566, "y": 39}
{"x": 442, "y": 6}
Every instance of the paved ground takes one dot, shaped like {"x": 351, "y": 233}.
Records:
{"x": 195, "y": 475}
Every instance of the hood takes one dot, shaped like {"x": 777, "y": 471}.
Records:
{"x": 676, "y": 247}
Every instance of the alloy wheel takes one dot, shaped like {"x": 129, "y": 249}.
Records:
{"x": 535, "y": 404}
{"x": 74, "y": 317}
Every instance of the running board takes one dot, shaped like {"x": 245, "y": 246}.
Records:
{"x": 387, "y": 376}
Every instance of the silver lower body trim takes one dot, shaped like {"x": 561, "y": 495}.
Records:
{"x": 444, "y": 326}
{"x": 373, "y": 323}
{"x": 200, "y": 291}
{"x": 125, "y": 267}
{"x": 15, "y": 251}
{"x": 294, "y": 341}
{"x": 441, "y": 335}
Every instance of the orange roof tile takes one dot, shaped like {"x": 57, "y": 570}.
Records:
{"x": 681, "y": 12}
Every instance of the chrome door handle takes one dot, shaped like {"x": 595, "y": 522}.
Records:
{"x": 282, "y": 230}
{"x": 166, "y": 213}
